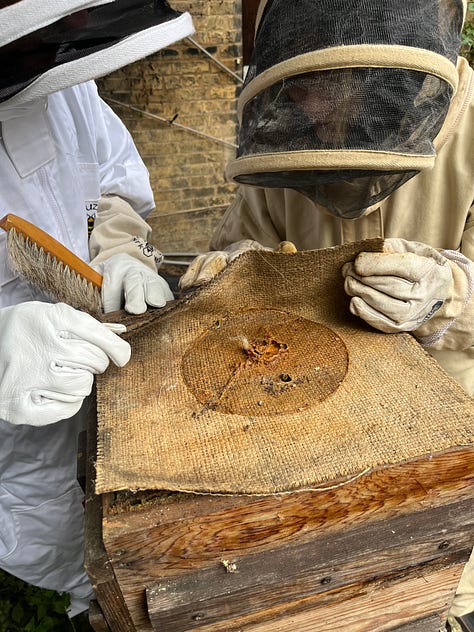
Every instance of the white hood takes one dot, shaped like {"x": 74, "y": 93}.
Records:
{"x": 53, "y": 44}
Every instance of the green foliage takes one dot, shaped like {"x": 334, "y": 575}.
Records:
{"x": 467, "y": 37}
{"x": 25, "y": 608}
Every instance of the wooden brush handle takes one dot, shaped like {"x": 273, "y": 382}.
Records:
{"x": 52, "y": 247}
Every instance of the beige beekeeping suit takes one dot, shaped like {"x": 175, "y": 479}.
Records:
{"x": 435, "y": 207}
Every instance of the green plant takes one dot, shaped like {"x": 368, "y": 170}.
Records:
{"x": 467, "y": 36}
{"x": 26, "y": 608}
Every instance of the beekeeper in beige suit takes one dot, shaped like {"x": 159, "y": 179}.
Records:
{"x": 356, "y": 121}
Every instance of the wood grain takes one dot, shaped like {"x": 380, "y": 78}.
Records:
{"x": 286, "y": 575}
{"x": 394, "y": 520}
{"x": 427, "y": 624}
{"x": 394, "y": 604}
{"x": 379, "y": 609}
{"x": 96, "y": 618}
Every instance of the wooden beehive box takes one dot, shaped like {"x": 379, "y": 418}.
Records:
{"x": 383, "y": 552}
{"x": 372, "y": 545}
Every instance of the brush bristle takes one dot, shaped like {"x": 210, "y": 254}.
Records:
{"x": 50, "y": 275}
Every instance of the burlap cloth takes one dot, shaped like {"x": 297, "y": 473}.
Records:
{"x": 263, "y": 382}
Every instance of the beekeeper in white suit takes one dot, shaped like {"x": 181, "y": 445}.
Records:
{"x": 356, "y": 121}
{"x": 65, "y": 158}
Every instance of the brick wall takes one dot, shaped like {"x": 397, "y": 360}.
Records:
{"x": 182, "y": 84}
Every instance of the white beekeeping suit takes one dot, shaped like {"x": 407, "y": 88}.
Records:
{"x": 66, "y": 158}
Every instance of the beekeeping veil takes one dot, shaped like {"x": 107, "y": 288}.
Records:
{"x": 343, "y": 100}
{"x": 49, "y": 45}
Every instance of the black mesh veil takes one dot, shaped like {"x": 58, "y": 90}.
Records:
{"x": 74, "y": 36}
{"x": 288, "y": 29}
{"x": 342, "y": 101}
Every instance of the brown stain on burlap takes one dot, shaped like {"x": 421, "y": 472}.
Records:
{"x": 258, "y": 362}
{"x": 263, "y": 382}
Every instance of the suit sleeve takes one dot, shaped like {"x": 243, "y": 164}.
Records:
{"x": 247, "y": 217}
{"x": 453, "y": 326}
{"x": 122, "y": 171}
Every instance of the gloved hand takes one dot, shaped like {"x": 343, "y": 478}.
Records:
{"x": 130, "y": 283}
{"x": 400, "y": 288}
{"x": 205, "y": 267}
{"x": 49, "y": 354}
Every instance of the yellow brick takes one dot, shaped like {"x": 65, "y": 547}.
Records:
{"x": 186, "y": 171}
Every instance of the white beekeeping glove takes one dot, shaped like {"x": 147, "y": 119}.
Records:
{"x": 400, "y": 288}
{"x": 120, "y": 250}
{"x": 49, "y": 354}
{"x": 128, "y": 282}
{"x": 206, "y": 266}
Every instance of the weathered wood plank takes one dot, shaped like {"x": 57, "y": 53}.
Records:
{"x": 247, "y": 600}
{"x": 194, "y": 532}
{"x": 427, "y": 624}
{"x": 264, "y": 580}
{"x": 170, "y": 538}
{"x": 382, "y": 607}
{"x": 430, "y": 481}
{"x": 96, "y": 618}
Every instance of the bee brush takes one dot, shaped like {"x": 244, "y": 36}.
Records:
{"x": 50, "y": 266}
